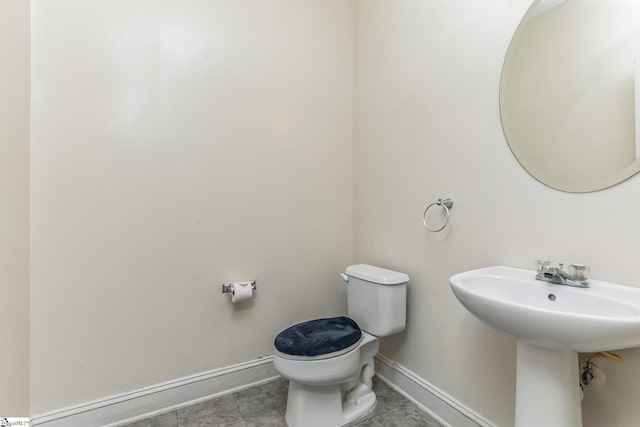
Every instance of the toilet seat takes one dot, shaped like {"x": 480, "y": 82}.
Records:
{"x": 318, "y": 339}
{"x": 321, "y": 356}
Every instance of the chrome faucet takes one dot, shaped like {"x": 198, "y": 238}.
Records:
{"x": 576, "y": 276}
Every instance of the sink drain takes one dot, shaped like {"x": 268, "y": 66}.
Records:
{"x": 551, "y": 297}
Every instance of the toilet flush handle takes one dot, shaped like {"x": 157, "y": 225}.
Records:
{"x": 344, "y": 277}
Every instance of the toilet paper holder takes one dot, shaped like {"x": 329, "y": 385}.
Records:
{"x": 227, "y": 288}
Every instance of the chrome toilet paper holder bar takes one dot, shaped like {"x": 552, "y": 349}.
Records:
{"x": 227, "y": 288}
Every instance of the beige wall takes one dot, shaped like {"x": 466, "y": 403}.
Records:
{"x": 14, "y": 207}
{"x": 190, "y": 143}
{"x": 427, "y": 125}
{"x": 177, "y": 145}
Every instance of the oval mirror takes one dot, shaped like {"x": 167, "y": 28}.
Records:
{"x": 569, "y": 93}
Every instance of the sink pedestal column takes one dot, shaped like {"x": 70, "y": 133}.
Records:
{"x": 547, "y": 388}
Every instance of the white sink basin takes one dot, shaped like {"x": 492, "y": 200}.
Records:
{"x": 604, "y": 316}
{"x": 551, "y": 323}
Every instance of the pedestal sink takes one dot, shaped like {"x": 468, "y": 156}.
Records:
{"x": 551, "y": 323}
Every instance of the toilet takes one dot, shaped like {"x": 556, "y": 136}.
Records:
{"x": 329, "y": 361}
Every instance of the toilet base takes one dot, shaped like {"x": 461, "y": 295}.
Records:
{"x": 325, "y": 406}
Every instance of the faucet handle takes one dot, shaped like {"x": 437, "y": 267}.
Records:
{"x": 579, "y": 271}
{"x": 542, "y": 265}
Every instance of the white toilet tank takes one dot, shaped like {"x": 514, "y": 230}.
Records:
{"x": 377, "y": 299}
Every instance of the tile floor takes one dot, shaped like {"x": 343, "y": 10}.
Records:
{"x": 264, "y": 405}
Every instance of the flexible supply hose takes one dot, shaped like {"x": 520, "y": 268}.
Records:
{"x": 606, "y": 354}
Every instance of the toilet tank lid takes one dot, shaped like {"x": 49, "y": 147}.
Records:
{"x": 375, "y": 274}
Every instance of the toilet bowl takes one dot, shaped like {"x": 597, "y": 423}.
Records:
{"x": 325, "y": 392}
{"x": 329, "y": 362}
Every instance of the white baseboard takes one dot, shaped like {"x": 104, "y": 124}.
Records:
{"x": 431, "y": 399}
{"x": 128, "y": 407}
{"x": 150, "y": 401}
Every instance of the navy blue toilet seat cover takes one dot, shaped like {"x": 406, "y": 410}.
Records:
{"x": 318, "y": 337}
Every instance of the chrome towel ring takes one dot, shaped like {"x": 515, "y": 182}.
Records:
{"x": 446, "y": 204}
